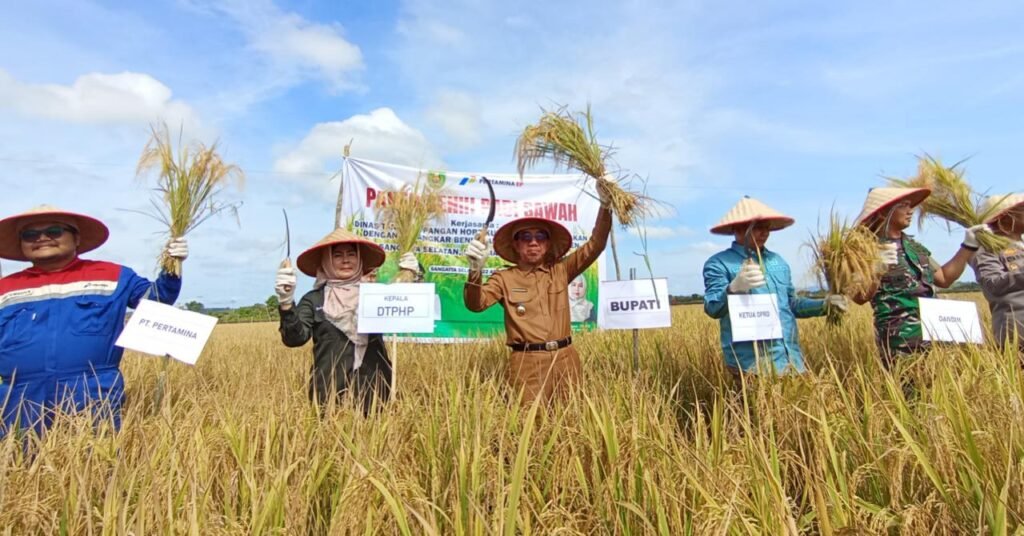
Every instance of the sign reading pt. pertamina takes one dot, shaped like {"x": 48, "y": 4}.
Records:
{"x": 396, "y": 308}
{"x": 634, "y": 304}
{"x": 754, "y": 317}
{"x": 950, "y": 321}
{"x": 162, "y": 330}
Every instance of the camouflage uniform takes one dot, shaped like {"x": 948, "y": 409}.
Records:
{"x": 898, "y": 330}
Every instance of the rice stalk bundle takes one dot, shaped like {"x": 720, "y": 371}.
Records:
{"x": 952, "y": 199}
{"x": 845, "y": 261}
{"x": 568, "y": 140}
{"x": 407, "y": 210}
{"x": 188, "y": 185}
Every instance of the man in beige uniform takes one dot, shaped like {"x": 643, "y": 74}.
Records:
{"x": 534, "y": 294}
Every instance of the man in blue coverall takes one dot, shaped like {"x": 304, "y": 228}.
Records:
{"x": 737, "y": 270}
{"x": 60, "y": 317}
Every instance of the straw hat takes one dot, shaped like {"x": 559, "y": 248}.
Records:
{"x": 880, "y": 199}
{"x": 998, "y": 205}
{"x": 750, "y": 210}
{"x": 558, "y": 236}
{"x": 371, "y": 254}
{"x": 91, "y": 232}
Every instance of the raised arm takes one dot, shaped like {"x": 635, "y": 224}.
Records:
{"x": 478, "y": 295}
{"x": 164, "y": 290}
{"x": 585, "y": 255}
{"x": 297, "y": 322}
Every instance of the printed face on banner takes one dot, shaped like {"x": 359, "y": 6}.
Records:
{"x": 466, "y": 200}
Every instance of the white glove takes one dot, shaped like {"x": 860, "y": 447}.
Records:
{"x": 838, "y": 301}
{"x": 476, "y": 254}
{"x": 750, "y": 277}
{"x": 888, "y": 255}
{"x": 284, "y": 286}
{"x": 408, "y": 262}
{"x": 971, "y": 235}
{"x": 177, "y": 248}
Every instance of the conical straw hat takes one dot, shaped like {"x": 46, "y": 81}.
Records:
{"x": 92, "y": 233}
{"x": 505, "y": 238}
{"x": 371, "y": 255}
{"x": 997, "y": 205}
{"x": 882, "y": 198}
{"x": 750, "y": 210}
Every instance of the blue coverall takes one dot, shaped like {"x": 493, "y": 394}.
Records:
{"x": 57, "y": 333}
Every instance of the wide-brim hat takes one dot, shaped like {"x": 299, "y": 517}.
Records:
{"x": 750, "y": 210}
{"x": 371, "y": 255}
{"x": 92, "y": 233}
{"x": 559, "y": 238}
{"x": 880, "y": 199}
{"x": 998, "y": 205}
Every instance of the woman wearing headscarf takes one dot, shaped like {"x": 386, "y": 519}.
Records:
{"x": 1001, "y": 274}
{"x": 343, "y": 358}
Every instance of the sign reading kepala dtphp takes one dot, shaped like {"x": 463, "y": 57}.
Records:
{"x": 951, "y": 321}
{"x": 162, "y": 330}
{"x": 754, "y": 317}
{"x": 396, "y": 308}
{"x": 634, "y": 304}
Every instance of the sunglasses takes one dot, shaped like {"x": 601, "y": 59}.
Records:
{"x": 54, "y": 232}
{"x": 540, "y": 236}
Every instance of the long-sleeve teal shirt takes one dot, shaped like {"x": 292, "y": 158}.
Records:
{"x": 783, "y": 354}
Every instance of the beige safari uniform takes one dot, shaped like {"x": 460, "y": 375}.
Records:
{"x": 543, "y": 292}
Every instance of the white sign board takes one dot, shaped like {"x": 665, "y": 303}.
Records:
{"x": 163, "y": 330}
{"x": 635, "y": 304}
{"x": 951, "y": 321}
{"x": 754, "y": 317}
{"x": 396, "y": 308}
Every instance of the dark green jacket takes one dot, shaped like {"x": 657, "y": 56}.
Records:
{"x": 334, "y": 353}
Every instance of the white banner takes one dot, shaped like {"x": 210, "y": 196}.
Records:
{"x": 754, "y": 317}
{"x": 396, "y": 308}
{"x": 163, "y": 330}
{"x": 556, "y": 197}
{"x": 951, "y": 321}
{"x": 635, "y": 304}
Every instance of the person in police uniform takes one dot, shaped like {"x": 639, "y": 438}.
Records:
{"x": 534, "y": 294}
{"x": 1001, "y": 274}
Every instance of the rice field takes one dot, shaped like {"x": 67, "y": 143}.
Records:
{"x": 672, "y": 448}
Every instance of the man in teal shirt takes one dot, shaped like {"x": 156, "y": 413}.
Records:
{"x": 748, "y": 268}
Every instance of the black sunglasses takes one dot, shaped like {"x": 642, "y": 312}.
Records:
{"x": 54, "y": 232}
{"x": 540, "y": 236}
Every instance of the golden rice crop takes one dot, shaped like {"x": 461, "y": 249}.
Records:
{"x": 188, "y": 184}
{"x": 406, "y": 211}
{"x": 568, "y": 140}
{"x": 845, "y": 261}
{"x": 673, "y": 448}
{"x": 952, "y": 198}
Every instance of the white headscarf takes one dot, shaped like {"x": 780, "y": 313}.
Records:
{"x": 341, "y": 300}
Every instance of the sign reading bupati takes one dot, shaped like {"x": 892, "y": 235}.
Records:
{"x": 466, "y": 201}
{"x": 754, "y": 317}
{"x": 163, "y": 330}
{"x": 634, "y": 304}
{"x": 951, "y": 321}
{"x": 396, "y": 308}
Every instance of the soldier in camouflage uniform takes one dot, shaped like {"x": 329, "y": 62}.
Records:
{"x": 909, "y": 270}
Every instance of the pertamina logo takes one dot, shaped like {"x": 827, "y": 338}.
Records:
{"x": 436, "y": 179}
{"x": 472, "y": 179}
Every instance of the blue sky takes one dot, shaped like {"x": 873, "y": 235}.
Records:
{"x": 804, "y": 105}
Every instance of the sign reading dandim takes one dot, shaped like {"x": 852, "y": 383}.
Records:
{"x": 951, "y": 321}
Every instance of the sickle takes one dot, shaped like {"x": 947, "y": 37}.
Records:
{"x": 287, "y": 240}
{"x": 482, "y": 235}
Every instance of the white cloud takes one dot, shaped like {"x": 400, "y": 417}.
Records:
{"x": 458, "y": 115}
{"x": 379, "y": 135}
{"x": 656, "y": 231}
{"x": 296, "y": 48}
{"x": 97, "y": 98}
